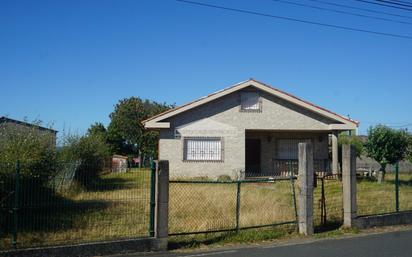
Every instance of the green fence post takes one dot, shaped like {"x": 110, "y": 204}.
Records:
{"x": 292, "y": 183}
{"x": 152, "y": 197}
{"x": 238, "y": 206}
{"x": 16, "y": 205}
{"x": 397, "y": 186}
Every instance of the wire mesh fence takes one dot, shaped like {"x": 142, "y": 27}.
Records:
{"x": 212, "y": 206}
{"x": 68, "y": 204}
{"x": 328, "y": 202}
{"x": 391, "y": 195}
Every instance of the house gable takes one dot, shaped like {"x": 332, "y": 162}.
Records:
{"x": 280, "y": 111}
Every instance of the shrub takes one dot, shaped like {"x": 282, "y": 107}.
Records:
{"x": 32, "y": 147}
{"x": 224, "y": 178}
{"x": 91, "y": 150}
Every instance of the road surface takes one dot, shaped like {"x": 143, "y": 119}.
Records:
{"x": 392, "y": 244}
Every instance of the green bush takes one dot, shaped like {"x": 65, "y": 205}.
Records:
{"x": 224, "y": 178}
{"x": 91, "y": 150}
{"x": 34, "y": 149}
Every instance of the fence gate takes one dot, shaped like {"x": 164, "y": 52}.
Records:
{"x": 328, "y": 205}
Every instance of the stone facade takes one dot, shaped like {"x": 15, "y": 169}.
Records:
{"x": 223, "y": 118}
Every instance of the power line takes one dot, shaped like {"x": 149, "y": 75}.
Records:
{"x": 395, "y": 3}
{"x": 294, "y": 19}
{"x": 361, "y": 9}
{"x": 341, "y": 12}
{"x": 386, "y": 5}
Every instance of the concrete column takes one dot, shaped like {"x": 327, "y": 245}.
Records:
{"x": 305, "y": 181}
{"x": 162, "y": 205}
{"x": 349, "y": 185}
{"x": 335, "y": 154}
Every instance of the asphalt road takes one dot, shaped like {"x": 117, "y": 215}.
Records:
{"x": 393, "y": 244}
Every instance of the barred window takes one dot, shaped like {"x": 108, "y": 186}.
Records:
{"x": 250, "y": 101}
{"x": 288, "y": 149}
{"x": 202, "y": 149}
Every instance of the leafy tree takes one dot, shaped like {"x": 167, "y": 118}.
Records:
{"x": 386, "y": 146}
{"x": 97, "y": 129}
{"x": 351, "y": 140}
{"x": 126, "y": 133}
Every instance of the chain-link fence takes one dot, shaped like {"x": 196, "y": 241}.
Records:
{"x": 216, "y": 206}
{"x": 328, "y": 205}
{"x": 68, "y": 203}
{"x": 392, "y": 195}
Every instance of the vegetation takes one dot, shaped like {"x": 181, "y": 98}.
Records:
{"x": 90, "y": 150}
{"x": 126, "y": 133}
{"x": 386, "y": 146}
{"x": 117, "y": 206}
{"x": 351, "y": 140}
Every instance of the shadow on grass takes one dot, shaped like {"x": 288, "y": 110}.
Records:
{"x": 40, "y": 209}
{"x": 249, "y": 235}
{"x": 329, "y": 226}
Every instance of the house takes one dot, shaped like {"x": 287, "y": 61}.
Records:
{"x": 8, "y": 124}
{"x": 249, "y": 129}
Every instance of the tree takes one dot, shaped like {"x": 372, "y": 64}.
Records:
{"x": 97, "y": 129}
{"x": 386, "y": 146}
{"x": 126, "y": 133}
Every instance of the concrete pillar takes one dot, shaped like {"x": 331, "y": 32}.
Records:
{"x": 305, "y": 181}
{"x": 349, "y": 185}
{"x": 335, "y": 153}
{"x": 162, "y": 205}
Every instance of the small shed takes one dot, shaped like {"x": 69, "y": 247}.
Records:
{"x": 119, "y": 163}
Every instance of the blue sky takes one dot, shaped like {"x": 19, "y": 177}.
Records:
{"x": 69, "y": 62}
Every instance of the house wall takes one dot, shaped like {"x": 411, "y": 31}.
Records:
{"x": 222, "y": 118}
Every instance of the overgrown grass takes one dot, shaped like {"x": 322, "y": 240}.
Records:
{"x": 375, "y": 198}
{"x": 117, "y": 206}
{"x": 210, "y": 207}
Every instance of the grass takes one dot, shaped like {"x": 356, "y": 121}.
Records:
{"x": 118, "y": 207}
{"x": 206, "y": 207}
{"x": 374, "y": 198}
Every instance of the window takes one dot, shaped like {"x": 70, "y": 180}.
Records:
{"x": 288, "y": 149}
{"x": 202, "y": 149}
{"x": 250, "y": 101}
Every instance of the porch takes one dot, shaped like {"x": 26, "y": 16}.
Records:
{"x": 275, "y": 153}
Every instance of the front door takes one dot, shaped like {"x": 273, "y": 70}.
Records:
{"x": 253, "y": 156}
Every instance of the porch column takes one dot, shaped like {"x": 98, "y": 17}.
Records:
{"x": 335, "y": 157}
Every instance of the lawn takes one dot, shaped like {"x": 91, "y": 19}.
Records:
{"x": 117, "y": 206}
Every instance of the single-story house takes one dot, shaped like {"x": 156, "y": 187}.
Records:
{"x": 7, "y": 125}
{"x": 249, "y": 128}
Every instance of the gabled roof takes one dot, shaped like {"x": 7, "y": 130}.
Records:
{"x": 4, "y": 119}
{"x": 156, "y": 121}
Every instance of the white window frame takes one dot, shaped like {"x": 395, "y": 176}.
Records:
{"x": 203, "y": 155}
{"x": 246, "y": 99}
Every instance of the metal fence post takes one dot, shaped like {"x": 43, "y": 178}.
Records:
{"x": 292, "y": 184}
{"x": 152, "y": 198}
{"x": 397, "y": 186}
{"x": 16, "y": 205}
{"x": 237, "y": 205}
